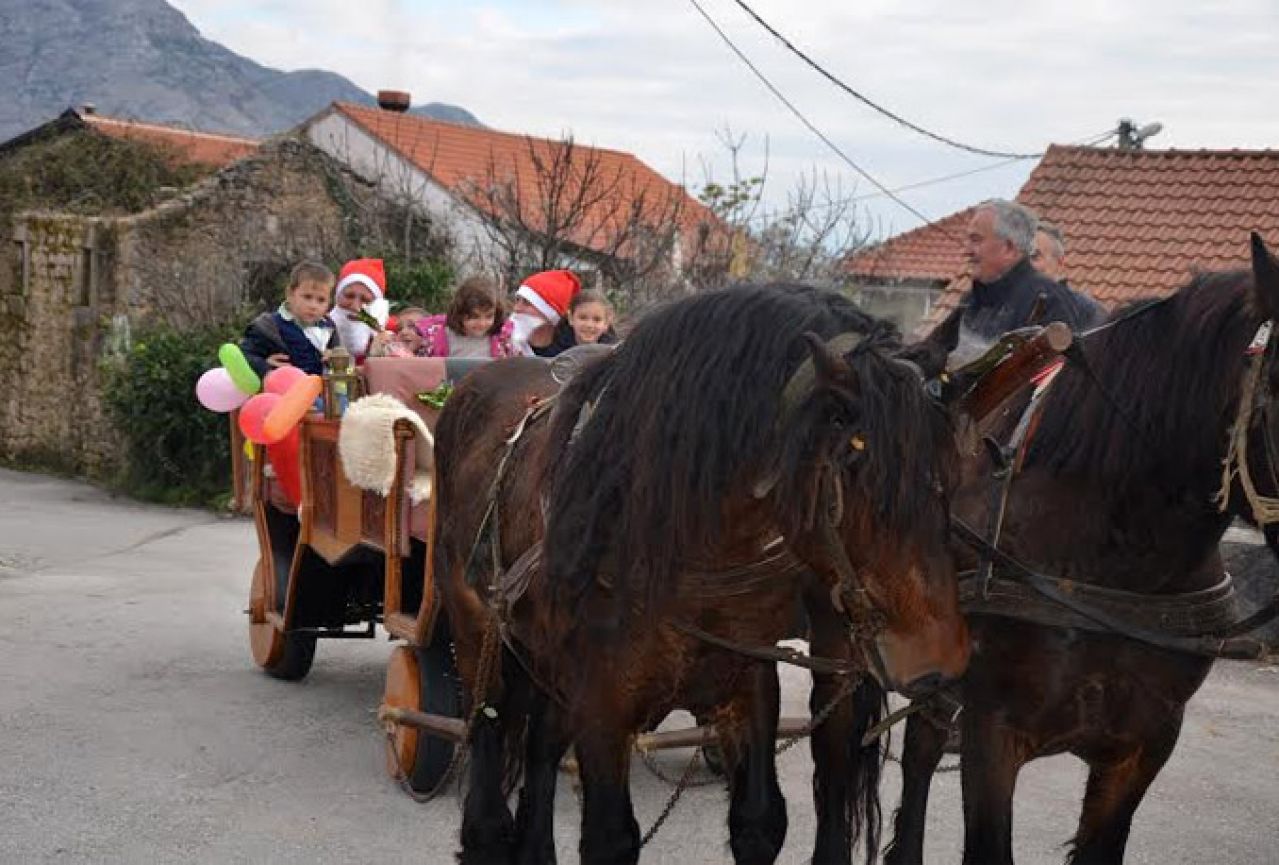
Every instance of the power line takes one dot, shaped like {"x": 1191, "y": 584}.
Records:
{"x": 799, "y": 115}
{"x": 1085, "y": 141}
{"x": 865, "y": 100}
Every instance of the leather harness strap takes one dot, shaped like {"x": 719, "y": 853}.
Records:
{"x": 1063, "y": 593}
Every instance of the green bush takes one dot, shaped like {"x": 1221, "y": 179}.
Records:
{"x": 426, "y": 284}
{"x": 176, "y": 451}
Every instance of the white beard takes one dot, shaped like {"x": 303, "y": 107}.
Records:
{"x": 355, "y": 335}
{"x": 523, "y": 325}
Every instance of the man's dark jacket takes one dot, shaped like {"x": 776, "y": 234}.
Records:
{"x": 996, "y": 307}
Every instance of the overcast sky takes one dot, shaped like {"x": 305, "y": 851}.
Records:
{"x": 652, "y": 77}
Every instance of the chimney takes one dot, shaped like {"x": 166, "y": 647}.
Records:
{"x": 397, "y": 101}
{"x": 88, "y": 108}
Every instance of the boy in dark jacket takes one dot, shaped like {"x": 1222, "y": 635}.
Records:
{"x": 300, "y": 332}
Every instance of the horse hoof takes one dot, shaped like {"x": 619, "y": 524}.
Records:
{"x": 486, "y": 855}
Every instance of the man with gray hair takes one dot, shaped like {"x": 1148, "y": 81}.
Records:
{"x": 1006, "y": 286}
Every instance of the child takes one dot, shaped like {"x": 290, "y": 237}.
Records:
{"x": 361, "y": 286}
{"x": 541, "y": 303}
{"x": 405, "y": 341}
{"x": 475, "y": 325}
{"x": 590, "y": 316}
{"x": 298, "y": 333}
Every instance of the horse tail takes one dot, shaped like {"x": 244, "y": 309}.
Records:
{"x": 864, "y": 813}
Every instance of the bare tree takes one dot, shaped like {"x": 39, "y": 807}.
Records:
{"x": 804, "y": 241}
{"x": 557, "y": 204}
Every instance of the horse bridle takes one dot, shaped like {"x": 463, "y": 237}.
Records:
{"x": 1254, "y": 399}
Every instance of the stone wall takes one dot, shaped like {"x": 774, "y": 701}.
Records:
{"x": 72, "y": 289}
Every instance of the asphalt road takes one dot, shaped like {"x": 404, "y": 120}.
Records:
{"x": 134, "y": 727}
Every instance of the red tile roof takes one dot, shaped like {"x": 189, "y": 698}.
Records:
{"x": 1137, "y": 223}
{"x": 187, "y": 145}
{"x": 930, "y": 253}
{"x": 464, "y": 159}
{"x": 1140, "y": 222}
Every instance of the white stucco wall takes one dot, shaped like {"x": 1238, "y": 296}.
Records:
{"x": 335, "y": 134}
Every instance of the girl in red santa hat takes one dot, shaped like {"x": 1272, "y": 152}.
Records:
{"x": 540, "y": 311}
{"x": 361, "y": 286}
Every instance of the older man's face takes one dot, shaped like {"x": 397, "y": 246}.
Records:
{"x": 989, "y": 255}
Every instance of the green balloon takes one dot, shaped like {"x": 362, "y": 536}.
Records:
{"x": 238, "y": 368}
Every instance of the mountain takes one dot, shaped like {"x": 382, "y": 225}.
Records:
{"x": 143, "y": 59}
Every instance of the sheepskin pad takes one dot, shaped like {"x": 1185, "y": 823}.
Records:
{"x": 366, "y": 442}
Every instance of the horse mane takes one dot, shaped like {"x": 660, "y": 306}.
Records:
{"x": 654, "y": 437}
{"x": 1175, "y": 369}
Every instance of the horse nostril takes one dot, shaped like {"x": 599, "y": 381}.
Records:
{"x": 924, "y": 685}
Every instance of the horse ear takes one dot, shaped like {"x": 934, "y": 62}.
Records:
{"x": 830, "y": 368}
{"x": 1265, "y": 274}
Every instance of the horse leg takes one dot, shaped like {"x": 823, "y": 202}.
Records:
{"x": 757, "y": 811}
{"x": 548, "y": 739}
{"x": 610, "y": 834}
{"x": 1115, "y": 789}
{"x": 990, "y": 761}
{"x": 845, "y": 774}
{"x": 921, "y": 752}
{"x": 488, "y": 830}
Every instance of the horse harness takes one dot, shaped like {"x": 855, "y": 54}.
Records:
{"x": 1201, "y": 622}
{"x": 776, "y": 562}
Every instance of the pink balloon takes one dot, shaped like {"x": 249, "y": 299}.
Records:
{"x": 281, "y": 379}
{"x": 253, "y": 417}
{"x": 217, "y": 392}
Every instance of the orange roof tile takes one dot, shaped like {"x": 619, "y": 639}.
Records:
{"x": 930, "y": 253}
{"x": 1137, "y": 223}
{"x": 187, "y": 145}
{"x": 465, "y": 159}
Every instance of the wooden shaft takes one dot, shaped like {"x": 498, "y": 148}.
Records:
{"x": 1024, "y": 363}
{"x": 453, "y": 729}
{"x": 692, "y": 737}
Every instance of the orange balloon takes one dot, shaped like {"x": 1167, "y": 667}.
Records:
{"x": 291, "y": 408}
{"x": 253, "y": 416}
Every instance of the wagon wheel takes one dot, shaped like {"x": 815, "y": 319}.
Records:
{"x": 282, "y": 656}
{"x": 423, "y": 679}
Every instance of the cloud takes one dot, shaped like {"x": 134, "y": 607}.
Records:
{"x": 653, "y": 78}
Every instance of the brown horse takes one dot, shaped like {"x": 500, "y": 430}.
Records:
{"x": 1117, "y": 490}
{"x": 680, "y": 492}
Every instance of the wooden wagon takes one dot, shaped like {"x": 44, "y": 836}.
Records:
{"x": 345, "y": 560}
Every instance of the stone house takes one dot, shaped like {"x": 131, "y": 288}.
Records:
{"x": 73, "y": 288}
{"x": 180, "y": 144}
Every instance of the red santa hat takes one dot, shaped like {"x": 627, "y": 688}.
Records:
{"x": 368, "y": 272}
{"x": 550, "y": 292}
